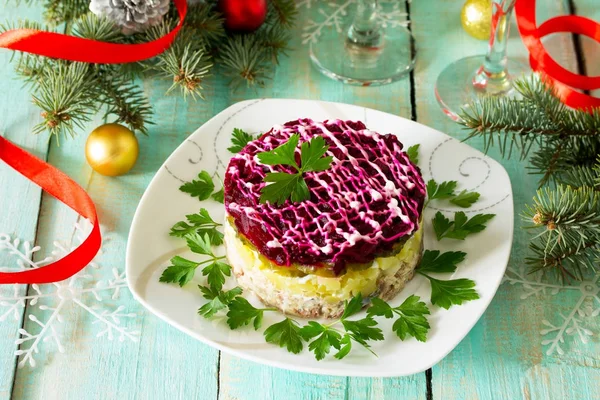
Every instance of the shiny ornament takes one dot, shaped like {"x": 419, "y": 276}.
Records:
{"x": 111, "y": 149}
{"x": 476, "y": 18}
{"x": 243, "y": 15}
{"x": 131, "y": 15}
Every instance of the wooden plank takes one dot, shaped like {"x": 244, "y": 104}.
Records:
{"x": 502, "y": 357}
{"x": 240, "y": 379}
{"x": 19, "y": 198}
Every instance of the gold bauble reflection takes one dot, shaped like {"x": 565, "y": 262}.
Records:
{"x": 476, "y": 18}
{"x": 111, "y": 149}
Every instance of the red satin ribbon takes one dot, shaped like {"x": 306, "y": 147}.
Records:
{"x": 562, "y": 79}
{"x": 59, "y": 185}
{"x": 65, "y": 47}
{"x": 49, "y": 178}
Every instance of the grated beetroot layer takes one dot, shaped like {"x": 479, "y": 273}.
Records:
{"x": 370, "y": 199}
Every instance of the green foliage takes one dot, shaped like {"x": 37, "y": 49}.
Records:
{"x": 413, "y": 153}
{"x": 461, "y": 227}
{"x": 283, "y": 185}
{"x": 563, "y": 146}
{"x": 239, "y": 140}
{"x": 412, "y": 320}
{"x": 570, "y": 222}
{"x": 69, "y": 94}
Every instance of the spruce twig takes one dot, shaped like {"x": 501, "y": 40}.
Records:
{"x": 66, "y": 95}
{"x": 565, "y": 145}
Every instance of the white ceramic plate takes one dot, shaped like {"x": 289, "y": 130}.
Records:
{"x": 441, "y": 157}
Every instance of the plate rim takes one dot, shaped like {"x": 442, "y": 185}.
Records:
{"x": 386, "y": 373}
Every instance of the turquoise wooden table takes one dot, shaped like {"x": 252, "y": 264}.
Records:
{"x": 524, "y": 346}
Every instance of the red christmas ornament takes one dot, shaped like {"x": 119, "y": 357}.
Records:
{"x": 243, "y": 15}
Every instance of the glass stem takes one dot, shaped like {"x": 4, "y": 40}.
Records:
{"x": 365, "y": 29}
{"x": 493, "y": 77}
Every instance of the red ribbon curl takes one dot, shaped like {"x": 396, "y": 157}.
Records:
{"x": 49, "y": 178}
{"x": 564, "y": 81}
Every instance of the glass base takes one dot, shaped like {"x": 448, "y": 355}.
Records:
{"x": 389, "y": 60}
{"x": 464, "y": 82}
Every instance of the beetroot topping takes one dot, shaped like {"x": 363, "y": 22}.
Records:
{"x": 368, "y": 200}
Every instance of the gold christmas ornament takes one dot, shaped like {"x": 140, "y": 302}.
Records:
{"x": 111, "y": 149}
{"x": 476, "y": 18}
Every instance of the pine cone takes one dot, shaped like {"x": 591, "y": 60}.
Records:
{"x": 131, "y": 15}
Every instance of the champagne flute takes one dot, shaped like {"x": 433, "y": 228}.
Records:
{"x": 367, "y": 53}
{"x": 470, "y": 78}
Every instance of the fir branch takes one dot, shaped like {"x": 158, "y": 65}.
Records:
{"x": 186, "y": 62}
{"x": 571, "y": 217}
{"x": 521, "y": 122}
{"x": 90, "y": 26}
{"x": 64, "y": 11}
{"x": 124, "y": 99}
{"x": 244, "y": 59}
{"x": 274, "y": 39}
{"x": 282, "y": 12}
{"x": 66, "y": 95}
{"x": 206, "y": 24}
{"x": 570, "y": 241}
{"x": 581, "y": 176}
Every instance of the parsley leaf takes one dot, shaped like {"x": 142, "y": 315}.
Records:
{"x": 218, "y": 300}
{"x": 241, "y": 312}
{"x": 461, "y": 227}
{"x": 432, "y": 261}
{"x": 465, "y": 199}
{"x": 441, "y": 225}
{"x": 239, "y": 140}
{"x": 447, "y": 293}
{"x": 412, "y": 321}
{"x": 201, "y": 188}
{"x": 311, "y": 153}
{"x": 199, "y": 244}
{"x": 327, "y": 337}
{"x": 282, "y": 155}
{"x": 283, "y": 185}
{"x": 285, "y": 334}
{"x": 353, "y": 306}
{"x": 215, "y": 273}
{"x": 380, "y": 308}
{"x": 444, "y": 190}
{"x": 200, "y": 223}
{"x": 218, "y": 196}
{"x": 363, "y": 330}
{"x": 181, "y": 271}
{"x": 346, "y": 346}
{"x": 411, "y": 317}
{"x": 413, "y": 153}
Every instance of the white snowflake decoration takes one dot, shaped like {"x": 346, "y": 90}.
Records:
{"x": 331, "y": 15}
{"x": 585, "y": 308}
{"x": 55, "y": 298}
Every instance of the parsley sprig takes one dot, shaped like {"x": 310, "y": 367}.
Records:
{"x": 412, "y": 320}
{"x": 202, "y": 188}
{"x": 241, "y": 313}
{"x": 413, "y": 153}
{"x": 445, "y": 293}
{"x": 200, "y": 223}
{"x": 182, "y": 270}
{"x": 239, "y": 140}
{"x": 461, "y": 227}
{"x": 323, "y": 337}
{"x": 219, "y": 300}
{"x": 282, "y": 186}
{"x": 445, "y": 190}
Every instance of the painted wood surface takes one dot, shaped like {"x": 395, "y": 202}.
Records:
{"x": 502, "y": 357}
